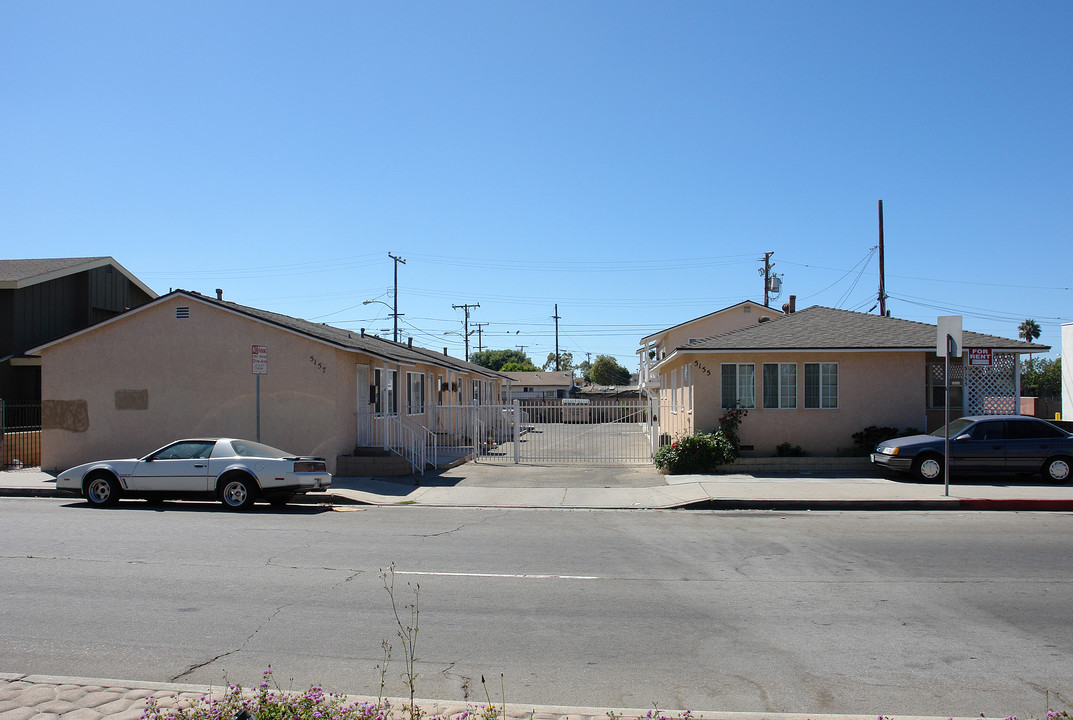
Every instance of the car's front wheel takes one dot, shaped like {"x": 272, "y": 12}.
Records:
{"x": 1056, "y": 470}
{"x": 928, "y": 468}
{"x": 102, "y": 490}
{"x": 238, "y": 493}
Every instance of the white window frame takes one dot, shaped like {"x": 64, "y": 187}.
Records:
{"x": 739, "y": 385}
{"x": 823, "y": 402}
{"x": 415, "y": 393}
{"x": 784, "y": 400}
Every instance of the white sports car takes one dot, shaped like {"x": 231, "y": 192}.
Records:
{"x": 237, "y": 472}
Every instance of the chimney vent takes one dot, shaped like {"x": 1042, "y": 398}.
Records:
{"x": 445, "y": 351}
{"x": 793, "y": 303}
{"x": 410, "y": 343}
{"x": 219, "y": 293}
{"x": 363, "y": 332}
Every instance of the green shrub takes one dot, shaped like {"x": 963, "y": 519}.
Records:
{"x": 699, "y": 453}
{"x": 787, "y": 450}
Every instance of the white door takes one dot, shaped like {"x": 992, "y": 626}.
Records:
{"x": 364, "y": 415}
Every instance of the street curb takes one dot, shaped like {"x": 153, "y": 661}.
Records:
{"x": 785, "y": 505}
{"x": 824, "y": 505}
{"x": 514, "y": 711}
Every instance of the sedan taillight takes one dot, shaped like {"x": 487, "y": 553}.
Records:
{"x": 310, "y": 466}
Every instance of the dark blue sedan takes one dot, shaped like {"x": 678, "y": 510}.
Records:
{"x": 983, "y": 443}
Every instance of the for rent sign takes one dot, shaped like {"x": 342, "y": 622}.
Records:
{"x": 979, "y": 357}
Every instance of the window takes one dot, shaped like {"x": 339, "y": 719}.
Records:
{"x": 378, "y": 406}
{"x": 674, "y": 391}
{"x": 780, "y": 386}
{"x": 1031, "y": 430}
{"x": 821, "y": 385}
{"x": 937, "y": 385}
{"x": 415, "y": 393}
{"x": 739, "y": 385}
{"x": 392, "y": 399}
{"x": 687, "y": 389}
{"x": 439, "y": 389}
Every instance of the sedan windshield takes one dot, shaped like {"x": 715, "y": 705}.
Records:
{"x": 246, "y": 448}
{"x": 956, "y": 427}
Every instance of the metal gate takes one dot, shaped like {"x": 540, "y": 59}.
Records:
{"x": 567, "y": 431}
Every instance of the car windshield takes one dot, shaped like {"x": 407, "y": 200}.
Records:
{"x": 956, "y": 427}
{"x": 246, "y": 448}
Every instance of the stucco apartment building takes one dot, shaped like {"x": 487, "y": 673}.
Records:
{"x": 187, "y": 365}
{"x": 815, "y": 377}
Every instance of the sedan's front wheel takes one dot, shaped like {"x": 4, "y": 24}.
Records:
{"x": 928, "y": 468}
{"x": 238, "y": 493}
{"x": 102, "y": 490}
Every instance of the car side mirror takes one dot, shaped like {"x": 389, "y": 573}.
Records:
{"x": 962, "y": 438}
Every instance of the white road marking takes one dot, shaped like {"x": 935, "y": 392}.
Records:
{"x": 498, "y": 575}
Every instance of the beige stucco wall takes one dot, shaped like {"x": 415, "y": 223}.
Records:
{"x": 130, "y": 386}
{"x": 874, "y": 388}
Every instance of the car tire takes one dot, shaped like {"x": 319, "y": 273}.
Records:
{"x": 1056, "y": 470}
{"x": 102, "y": 490}
{"x": 928, "y": 468}
{"x": 238, "y": 492}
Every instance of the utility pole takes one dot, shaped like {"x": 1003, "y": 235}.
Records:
{"x": 556, "y": 318}
{"x": 521, "y": 347}
{"x": 466, "y": 307}
{"x": 882, "y": 282}
{"x": 767, "y": 274}
{"x": 480, "y": 326}
{"x": 395, "y": 313}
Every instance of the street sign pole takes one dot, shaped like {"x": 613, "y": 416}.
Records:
{"x": 947, "y": 342}
{"x": 946, "y": 423}
{"x": 259, "y": 361}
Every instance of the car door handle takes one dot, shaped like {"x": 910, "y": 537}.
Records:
{"x": 199, "y": 464}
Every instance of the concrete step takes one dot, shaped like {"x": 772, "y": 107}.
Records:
{"x": 390, "y": 465}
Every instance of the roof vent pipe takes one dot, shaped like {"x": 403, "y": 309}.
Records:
{"x": 793, "y": 303}
{"x": 410, "y": 343}
{"x": 219, "y": 293}
{"x": 363, "y": 332}
{"x": 445, "y": 351}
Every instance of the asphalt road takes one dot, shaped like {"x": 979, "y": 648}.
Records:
{"x": 870, "y": 613}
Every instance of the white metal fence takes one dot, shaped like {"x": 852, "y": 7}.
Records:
{"x": 543, "y": 431}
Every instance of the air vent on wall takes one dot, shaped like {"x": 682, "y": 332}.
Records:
{"x": 182, "y": 313}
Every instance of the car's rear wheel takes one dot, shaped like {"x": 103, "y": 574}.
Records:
{"x": 102, "y": 490}
{"x": 1056, "y": 470}
{"x": 238, "y": 492}
{"x": 928, "y": 468}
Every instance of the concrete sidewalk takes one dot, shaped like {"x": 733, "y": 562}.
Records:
{"x": 50, "y": 697}
{"x": 573, "y": 487}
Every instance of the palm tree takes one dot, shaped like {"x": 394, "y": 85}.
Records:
{"x": 1028, "y": 331}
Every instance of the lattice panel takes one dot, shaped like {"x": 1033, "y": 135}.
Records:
{"x": 992, "y": 390}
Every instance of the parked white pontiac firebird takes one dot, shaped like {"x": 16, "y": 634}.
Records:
{"x": 237, "y": 472}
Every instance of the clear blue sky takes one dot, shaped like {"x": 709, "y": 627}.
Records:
{"x": 629, "y": 161}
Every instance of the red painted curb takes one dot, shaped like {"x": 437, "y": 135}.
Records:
{"x": 1017, "y": 504}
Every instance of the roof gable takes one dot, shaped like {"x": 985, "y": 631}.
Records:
{"x": 742, "y": 305}
{"x": 328, "y": 334}
{"x": 17, "y": 274}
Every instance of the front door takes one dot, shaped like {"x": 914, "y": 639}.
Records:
{"x": 363, "y": 402}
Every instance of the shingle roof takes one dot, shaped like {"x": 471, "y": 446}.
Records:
{"x": 542, "y": 377}
{"x": 824, "y": 328}
{"x": 15, "y": 274}
{"x": 351, "y": 340}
